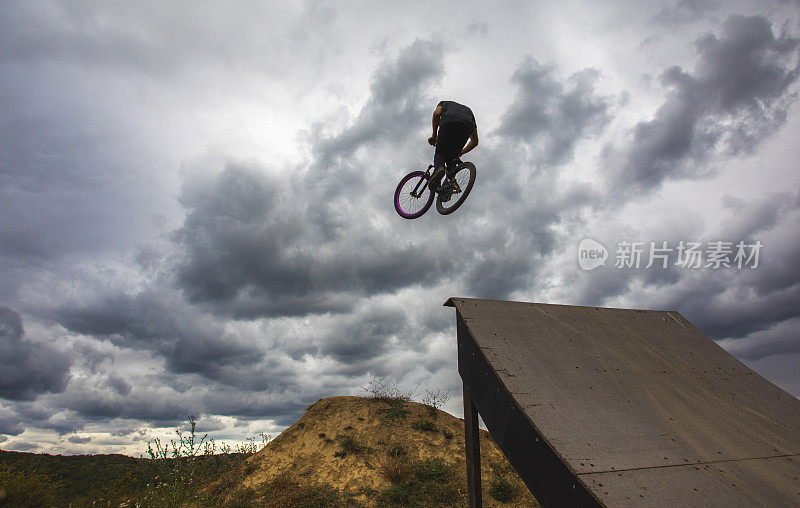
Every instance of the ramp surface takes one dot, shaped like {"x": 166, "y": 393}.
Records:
{"x": 616, "y": 407}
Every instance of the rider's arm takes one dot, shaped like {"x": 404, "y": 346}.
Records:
{"x": 435, "y": 120}
{"x": 473, "y": 141}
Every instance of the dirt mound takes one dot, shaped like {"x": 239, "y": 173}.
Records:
{"x": 378, "y": 451}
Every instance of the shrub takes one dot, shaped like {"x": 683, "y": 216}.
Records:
{"x": 502, "y": 490}
{"x": 394, "y": 411}
{"x": 446, "y": 493}
{"x": 435, "y": 399}
{"x": 397, "y": 451}
{"x": 285, "y": 490}
{"x": 350, "y": 445}
{"x": 426, "y": 425}
{"x": 194, "y": 472}
{"x": 396, "y": 469}
{"x": 378, "y": 389}
{"x": 429, "y": 482}
{"x": 22, "y": 489}
{"x": 397, "y": 494}
{"x": 435, "y": 469}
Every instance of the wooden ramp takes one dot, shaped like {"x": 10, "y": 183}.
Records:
{"x": 615, "y": 407}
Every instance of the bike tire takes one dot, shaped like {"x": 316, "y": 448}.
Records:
{"x": 466, "y": 186}
{"x": 404, "y": 202}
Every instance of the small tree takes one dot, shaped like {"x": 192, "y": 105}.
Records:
{"x": 379, "y": 389}
{"x": 435, "y": 399}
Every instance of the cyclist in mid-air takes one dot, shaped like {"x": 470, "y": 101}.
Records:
{"x": 453, "y": 124}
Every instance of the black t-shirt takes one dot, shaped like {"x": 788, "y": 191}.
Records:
{"x": 453, "y": 112}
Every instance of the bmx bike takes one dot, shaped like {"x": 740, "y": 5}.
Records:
{"x": 414, "y": 196}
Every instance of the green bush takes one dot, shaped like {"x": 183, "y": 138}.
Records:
{"x": 397, "y": 494}
{"x": 350, "y": 445}
{"x": 396, "y": 469}
{"x": 286, "y": 490}
{"x": 379, "y": 390}
{"x": 502, "y": 490}
{"x": 426, "y": 425}
{"x": 395, "y": 410}
{"x": 22, "y": 489}
{"x": 435, "y": 470}
{"x": 397, "y": 451}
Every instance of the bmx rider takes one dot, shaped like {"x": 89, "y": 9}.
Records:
{"x": 453, "y": 124}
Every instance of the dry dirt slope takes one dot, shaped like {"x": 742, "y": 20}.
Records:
{"x": 355, "y": 444}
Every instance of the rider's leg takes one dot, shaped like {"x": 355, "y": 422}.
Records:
{"x": 436, "y": 178}
{"x": 439, "y": 160}
{"x": 451, "y": 139}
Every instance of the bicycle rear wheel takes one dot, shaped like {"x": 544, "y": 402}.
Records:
{"x": 461, "y": 183}
{"x": 413, "y": 196}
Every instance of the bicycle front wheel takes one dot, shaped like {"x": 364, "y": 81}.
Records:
{"x": 461, "y": 184}
{"x": 413, "y": 196}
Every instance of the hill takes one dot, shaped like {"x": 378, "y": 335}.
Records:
{"x": 40, "y": 479}
{"x": 68, "y": 477}
{"x": 344, "y": 451}
{"x": 375, "y": 451}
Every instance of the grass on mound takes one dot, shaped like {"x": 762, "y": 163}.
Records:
{"x": 430, "y": 482}
{"x": 286, "y": 490}
{"x": 502, "y": 490}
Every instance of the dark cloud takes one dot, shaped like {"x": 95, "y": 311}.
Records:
{"x": 737, "y": 96}
{"x": 550, "y": 115}
{"x": 44, "y": 413}
{"x": 119, "y": 385}
{"x": 709, "y": 308}
{"x": 23, "y": 446}
{"x": 206, "y": 424}
{"x": 781, "y": 369}
{"x": 142, "y": 38}
{"x": 397, "y": 103}
{"x": 79, "y": 440}
{"x": 753, "y": 311}
{"x": 91, "y": 356}
{"x": 479, "y": 28}
{"x": 28, "y": 369}
{"x": 365, "y": 336}
{"x": 163, "y": 406}
{"x": 255, "y": 247}
{"x": 55, "y": 196}
{"x": 152, "y": 320}
{"x": 684, "y": 11}
{"x": 510, "y": 227}
{"x": 778, "y": 339}
{"x": 47, "y": 30}
{"x": 9, "y": 423}
{"x": 749, "y": 219}
{"x": 200, "y": 353}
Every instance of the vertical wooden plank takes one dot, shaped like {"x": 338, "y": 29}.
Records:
{"x": 473, "y": 449}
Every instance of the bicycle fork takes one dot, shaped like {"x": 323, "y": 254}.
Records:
{"x": 423, "y": 184}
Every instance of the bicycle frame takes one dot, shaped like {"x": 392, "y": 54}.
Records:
{"x": 450, "y": 168}
{"x": 417, "y": 192}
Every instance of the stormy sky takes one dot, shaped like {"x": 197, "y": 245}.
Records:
{"x": 196, "y": 198}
